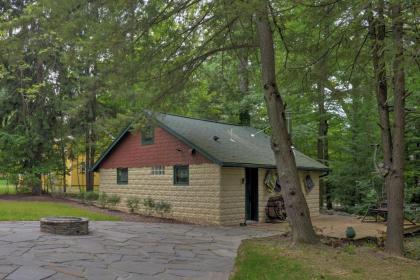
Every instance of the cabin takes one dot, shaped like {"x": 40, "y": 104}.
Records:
{"x": 209, "y": 172}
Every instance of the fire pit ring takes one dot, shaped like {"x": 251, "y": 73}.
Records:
{"x": 65, "y": 225}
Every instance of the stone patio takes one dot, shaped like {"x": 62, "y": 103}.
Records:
{"x": 121, "y": 250}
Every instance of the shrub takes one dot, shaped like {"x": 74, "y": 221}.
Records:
{"x": 23, "y": 190}
{"x": 162, "y": 207}
{"x": 350, "y": 249}
{"x": 91, "y": 196}
{"x": 133, "y": 204}
{"x": 114, "y": 199}
{"x": 58, "y": 194}
{"x": 103, "y": 200}
{"x": 81, "y": 197}
{"x": 149, "y": 204}
{"x": 71, "y": 195}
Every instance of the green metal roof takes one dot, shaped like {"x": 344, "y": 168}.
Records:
{"x": 224, "y": 144}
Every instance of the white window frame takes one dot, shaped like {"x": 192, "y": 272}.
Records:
{"x": 158, "y": 170}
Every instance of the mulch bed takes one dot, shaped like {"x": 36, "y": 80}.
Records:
{"x": 126, "y": 217}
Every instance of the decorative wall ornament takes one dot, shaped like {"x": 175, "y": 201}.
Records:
{"x": 271, "y": 182}
{"x": 309, "y": 183}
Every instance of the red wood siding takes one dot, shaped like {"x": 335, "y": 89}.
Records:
{"x": 166, "y": 150}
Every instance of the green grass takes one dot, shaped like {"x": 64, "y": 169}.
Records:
{"x": 6, "y": 188}
{"x": 34, "y": 210}
{"x": 276, "y": 259}
{"x": 412, "y": 247}
{"x": 265, "y": 262}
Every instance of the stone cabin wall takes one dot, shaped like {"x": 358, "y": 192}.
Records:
{"x": 233, "y": 194}
{"x": 199, "y": 202}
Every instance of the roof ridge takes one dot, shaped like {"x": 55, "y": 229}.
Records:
{"x": 310, "y": 158}
{"x": 205, "y": 120}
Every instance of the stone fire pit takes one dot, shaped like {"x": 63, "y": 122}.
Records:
{"x": 65, "y": 225}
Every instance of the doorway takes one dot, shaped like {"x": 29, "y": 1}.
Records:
{"x": 251, "y": 194}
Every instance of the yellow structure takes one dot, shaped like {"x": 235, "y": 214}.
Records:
{"x": 75, "y": 178}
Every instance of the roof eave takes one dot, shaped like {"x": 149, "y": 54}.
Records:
{"x": 110, "y": 148}
{"x": 269, "y": 166}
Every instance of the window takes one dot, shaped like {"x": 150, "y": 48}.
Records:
{"x": 181, "y": 175}
{"x": 148, "y": 135}
{"x": 122, "y": 176}
{"x": 158, "y": 170}
{"x": 309, "y": 183}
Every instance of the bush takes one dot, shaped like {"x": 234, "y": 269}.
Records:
{"x": 91, "y": 196}
{"x": 71, "y": 195}
{"x": 415, "y": 196}
{"x": 81, "y": 197}
{"x": 149, "y": 204}
{"x": 162, "y": 207}
{"x": 58, "y": 194}
{"x": 114, "y": 199}
{"x": 133, "y": 204}
{"x": 23, "y": 190}
{"x": 103, "y": 200}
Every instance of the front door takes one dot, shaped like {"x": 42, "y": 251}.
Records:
{"x": 251, "y": 194}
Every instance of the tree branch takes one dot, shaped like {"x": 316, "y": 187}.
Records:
{"x": 357, "y": 55}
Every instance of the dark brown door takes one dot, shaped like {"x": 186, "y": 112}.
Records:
{"x": 251, "y": 194}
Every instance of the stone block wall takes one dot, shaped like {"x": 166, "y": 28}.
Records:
{"x": 233, "y": 194}
{"x": 312, "y": 197}
{"x": 197, "y": 203}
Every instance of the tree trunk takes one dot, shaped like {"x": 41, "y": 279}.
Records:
{"x": 377, "y": 34}
{"x": 64, "y": 169}
{"x": 63, "y": 154}
{"x": 35, "y": 184}
{"x": 87, "y": 159}
{"x": 296, "y": 207}
{"x": 322, "y": 141}
{"x": 394, "y": 234}
{"x": 244, "y": 115}
{"x": 90, "y": 143}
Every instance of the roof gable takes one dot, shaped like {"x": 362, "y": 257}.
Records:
{"x": 224, "y": 144}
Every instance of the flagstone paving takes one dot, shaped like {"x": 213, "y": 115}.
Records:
{"x": 121, "y": 251}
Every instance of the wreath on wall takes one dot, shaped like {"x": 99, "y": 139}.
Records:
{"x": 275, "y": 208}
{"x": 309, "y": 183}
{"x": 271, "y": 182}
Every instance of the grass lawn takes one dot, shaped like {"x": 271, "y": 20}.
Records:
{"x": 412, "y": 247}
{"x": 34, "y": 210}
{"x": 274, "y": 258}
{"x": 6, "y": 188}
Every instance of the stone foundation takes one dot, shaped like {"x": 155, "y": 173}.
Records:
{"x": 65, "y": 225}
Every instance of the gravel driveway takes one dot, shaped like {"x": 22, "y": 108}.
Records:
{"x": 121, "y": 250}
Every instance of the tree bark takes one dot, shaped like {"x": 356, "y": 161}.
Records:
{"x": 394, "y": 234}
{"x": 296, "y": 207}
{"x": 322, "y": 142}
{"x": 63, "y": 153}
{"x": 90, "y": 142}
{"x": 244, "y": 115}
{"x": 377, "y": 34}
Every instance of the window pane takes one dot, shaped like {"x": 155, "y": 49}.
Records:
{"x": 181, "y": 175}
{"x": 147, "y": 135}
{"x": 122, "y": 176}
{"x": 158, "y": 170}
